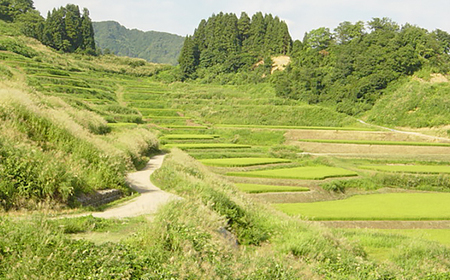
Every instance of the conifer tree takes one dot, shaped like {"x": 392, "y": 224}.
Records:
{"x": 87, "y": 34}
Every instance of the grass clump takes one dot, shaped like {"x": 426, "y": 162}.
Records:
{"x": 246, "y": 226}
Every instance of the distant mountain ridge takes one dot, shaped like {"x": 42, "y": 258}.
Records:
{"x": 153, "y": 46}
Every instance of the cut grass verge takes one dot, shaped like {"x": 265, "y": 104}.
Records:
{"x": 421, "y": 169}
{"x": 293, "y": 127}
{"x": 189, "y": 136}
{"x": 392, "y": 206}
{"x": 257, "y": 188}
{"x": 375, "y": 142}
{"x": 185, "y": 126}
{"x": 241, "y": 162}
{"x": 305, "y": 173}
{"x": 207, "y": 146}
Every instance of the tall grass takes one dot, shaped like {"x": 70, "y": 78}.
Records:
{"x": 46, "y": 155}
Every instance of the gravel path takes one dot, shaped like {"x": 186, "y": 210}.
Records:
{"x": 150, "y": 198}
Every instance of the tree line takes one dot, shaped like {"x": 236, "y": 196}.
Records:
{"x": 351, "y": 66}
{"x": 65, "y": 29}
{"x": 225, "y": 43}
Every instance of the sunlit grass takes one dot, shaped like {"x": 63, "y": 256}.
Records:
{"x": 306, "y": 173}
{"x": 393, "y": 206}
{"x": 257, "y": 188}
{"x": 239, "y": 162}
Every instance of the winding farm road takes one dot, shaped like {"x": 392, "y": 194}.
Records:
{"x": 150, "y": 198}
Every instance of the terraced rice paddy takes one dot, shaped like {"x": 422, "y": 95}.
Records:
{"x": 257, "y": 188}
{"x": 241, "y": 162}
{"x": 302, "y": 173}
{"x": 421, "y": 169}
{"x": 393, "y": 206}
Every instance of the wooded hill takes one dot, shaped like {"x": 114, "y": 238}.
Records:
{"x": 348, "y": 68}
{"x": 153, "y": 46}
{"x": 227, "y": 44}
{"x": 351, "y": 67}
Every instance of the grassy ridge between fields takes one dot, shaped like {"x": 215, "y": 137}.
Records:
{"x": 241, "y": 162}
{"x": 306, "y": 173}
{"x": 374, "y": 142}
{"x": 207, "y": 146}
{"x": 344, "y": 128}
{"x": 257, "y": 188}
{"x": 394, "y": 206}
{"x": 421, "y": 169}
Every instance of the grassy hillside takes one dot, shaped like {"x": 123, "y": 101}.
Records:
{"x": 153, "y": 46}
{"x": 55, "y": 141}
{"x": 415, "y": 103}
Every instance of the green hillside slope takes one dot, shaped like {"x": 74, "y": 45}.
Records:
{"x": 153, "y": 46}
{"x": 416, "y": 103}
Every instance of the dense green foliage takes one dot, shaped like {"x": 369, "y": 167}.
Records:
{"x": 65, "y": 29}
{"x": 350, "y": 67}
{"x": 226, "y": 44}
{"x": 68, "y": 30}
{"x": 153, "y": 46}
{"x": 11, "y": 10}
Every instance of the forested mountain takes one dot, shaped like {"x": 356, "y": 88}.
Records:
{"x": 351, "y": 67}
{"x": 65, "y": 29}
{"x": 227, "y": 44}
{"x": 153, "y": 46}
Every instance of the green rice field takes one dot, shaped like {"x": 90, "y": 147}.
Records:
{"x": 241, "y": 162}
{"x": 427, "y": 169}
{"x": 305, "y": 173}
{"x": 392, "y": 206}
{"x": 257, "y": 188}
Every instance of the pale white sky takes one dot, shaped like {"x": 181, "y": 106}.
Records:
{"x": 183, "y": 16}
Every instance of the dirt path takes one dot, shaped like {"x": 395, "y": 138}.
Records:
{"x": 150, "y": 198}
{"x": 406, "y": 132}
